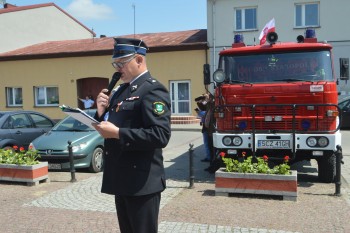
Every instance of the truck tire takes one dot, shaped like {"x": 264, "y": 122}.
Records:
{"x": 326, "y": 167}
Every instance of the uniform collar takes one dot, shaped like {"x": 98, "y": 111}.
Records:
{"x": 132, "y": 81}
{"x": 137, "y": 82}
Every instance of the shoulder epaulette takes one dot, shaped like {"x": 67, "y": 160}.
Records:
{"x": 152, "y": 80}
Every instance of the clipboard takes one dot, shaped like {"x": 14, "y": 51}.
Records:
{"x": 79, "y": 115}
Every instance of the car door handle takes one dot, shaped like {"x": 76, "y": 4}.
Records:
{"x": 19, "y": 132}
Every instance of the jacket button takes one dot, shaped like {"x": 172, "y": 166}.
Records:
{"x": 134, "y": 166}
{"x": 127, "y": 144}
{"x": 106, "y": 152}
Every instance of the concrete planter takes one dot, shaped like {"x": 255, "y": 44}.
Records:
{"x": 281, "y": 185}
{"x": 30, "y": 174}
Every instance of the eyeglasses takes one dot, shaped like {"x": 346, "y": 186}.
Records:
{"x": 121, "y": 64}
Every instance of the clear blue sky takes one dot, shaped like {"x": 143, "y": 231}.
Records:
{"x": 116, "y": 17}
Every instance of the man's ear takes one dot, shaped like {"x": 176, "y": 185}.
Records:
{"x": 139, "y": 59}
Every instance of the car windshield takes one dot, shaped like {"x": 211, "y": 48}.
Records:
{"x": 71, "y": 124}
{"x": 344, "y": 104}
{"x": 278, "y": 67}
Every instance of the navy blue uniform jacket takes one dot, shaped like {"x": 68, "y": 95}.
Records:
{"x": 133, "y": 164}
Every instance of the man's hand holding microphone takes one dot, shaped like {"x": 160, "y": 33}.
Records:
{"x": 105, "y": 128}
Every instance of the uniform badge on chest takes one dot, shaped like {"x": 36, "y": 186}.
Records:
{"x": 118, "y": 106}
{"x": 130, "y": 99}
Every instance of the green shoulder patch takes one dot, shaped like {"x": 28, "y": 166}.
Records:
{"x": 158, "y": 108}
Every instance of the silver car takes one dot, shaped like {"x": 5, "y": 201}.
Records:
{"x": 19, "y": 128}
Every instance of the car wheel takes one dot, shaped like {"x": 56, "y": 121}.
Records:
{"x": 97, "y": 160}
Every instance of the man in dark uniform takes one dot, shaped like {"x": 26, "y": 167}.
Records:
{"x": 135, "y": 122}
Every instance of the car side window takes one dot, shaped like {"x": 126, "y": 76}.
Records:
{"x": 347, "y": 106}
{"x": 20, "y": 121}
{"x": 40, "y": 121}
{"x": 342, "y": 104}
{"x": 8, "y": 123}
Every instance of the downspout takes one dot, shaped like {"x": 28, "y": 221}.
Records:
{"x": 214, "y": 33}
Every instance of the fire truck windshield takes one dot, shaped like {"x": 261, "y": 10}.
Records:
{"x": 278, "y": 67}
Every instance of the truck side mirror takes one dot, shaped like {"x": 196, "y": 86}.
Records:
{"x": 206, "y": 74}
{"x": 344, "y": 68}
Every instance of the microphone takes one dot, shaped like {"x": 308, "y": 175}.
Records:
{"x": 115, "y": 78}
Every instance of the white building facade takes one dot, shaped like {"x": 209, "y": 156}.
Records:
{"x": 22, "y": 26}
{"x": 226, "y": 18}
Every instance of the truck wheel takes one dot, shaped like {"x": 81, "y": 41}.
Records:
{"x": 326, "y": 167}
{"x": 96, "y": 160}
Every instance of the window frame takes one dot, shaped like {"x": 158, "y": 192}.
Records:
{"x": 8, "y": 98}
{"x": 46, "y": 103}
{"x": 303, "y": 15}
{"x": 178, "y": 104}
{"x": 243, "y": 21}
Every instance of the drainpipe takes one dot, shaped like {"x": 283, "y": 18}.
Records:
{"x": 214, "y": 33}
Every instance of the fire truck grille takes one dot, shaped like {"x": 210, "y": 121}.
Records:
{"x": 281, "y": 118}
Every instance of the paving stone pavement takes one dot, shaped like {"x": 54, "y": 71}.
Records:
{"x": 86, "y": 196}
{"x": 62, "y": 206}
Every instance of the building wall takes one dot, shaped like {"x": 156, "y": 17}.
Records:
{"x": 333, "y": 28}
{"x": 64, "y": 73}
{"x": 27, "y": 27}
{"x": 176, "y": 66}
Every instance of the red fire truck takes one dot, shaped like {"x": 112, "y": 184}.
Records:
{"x": 278, "y": 99}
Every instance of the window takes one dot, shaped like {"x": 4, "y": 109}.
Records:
{"x": 307, "y": 15}
{"x": 19, "y": 121}
{"x": 180, "y": 97}
{"x": 14, "y": 96}
{"x": 46, "y": 96}
{"x": 40, "y": 121}
{"x": 245, "y": 19}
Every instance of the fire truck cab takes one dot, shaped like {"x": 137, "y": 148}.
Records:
{"x": 278, "y": 99}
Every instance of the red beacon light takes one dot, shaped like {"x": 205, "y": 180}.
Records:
{"x": 238, "y": 41}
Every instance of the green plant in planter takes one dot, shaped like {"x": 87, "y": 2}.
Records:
{"x": 19, "y": 156}
{"x": 260, "y": 165}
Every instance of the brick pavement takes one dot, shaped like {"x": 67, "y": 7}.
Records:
{"x": 61, "y": 206}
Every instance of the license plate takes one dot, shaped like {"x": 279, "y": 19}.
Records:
{"x": 274, "y": 144}
{"x": 55, "y": 166}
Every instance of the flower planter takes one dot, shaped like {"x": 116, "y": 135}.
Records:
{"x": 251, "y": 183}
{"x": 30, "y": 174}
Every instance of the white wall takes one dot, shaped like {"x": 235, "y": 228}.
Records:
{"x": 27, "y": 27}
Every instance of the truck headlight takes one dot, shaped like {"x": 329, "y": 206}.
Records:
{"x": 227, "y": 141}
{"x": 323, "y": 141}
{"x": 219, "y": 76}
{"x": 237, "y": 141}
{"x": 311, "y": 141}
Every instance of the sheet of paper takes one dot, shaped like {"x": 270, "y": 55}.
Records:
{"x": 79, "y": 115}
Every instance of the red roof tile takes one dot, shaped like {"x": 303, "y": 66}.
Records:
{"x": 157, "y": 42}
